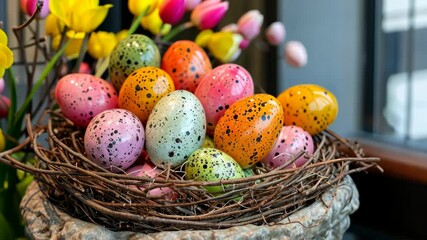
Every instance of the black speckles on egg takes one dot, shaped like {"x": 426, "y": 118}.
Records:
{"x": 222, "y": 87}
{"x": 82, "y": 96}
{"x": 112, "y": 141}
{"x": 143, "y": 89}
{"x": 319, "y": 107}
{"x": 130, "y": 54}
{"x": 173, "y": 129}
{"x": 249, "y": 137}
{"x": 210, "y": 164}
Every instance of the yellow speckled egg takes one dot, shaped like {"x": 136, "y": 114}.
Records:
{"x": 309, "y": 106}
{"x": 143, "y": 89}
{"x": 249, "y": 128}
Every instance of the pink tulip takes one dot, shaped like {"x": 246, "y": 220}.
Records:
{"x": 232, "y": 27}
{"x": 172, "y": 11}
{"x": 275, "y": 33}
{"x": 296, "y": 54}
{"x": 1, "y": 85}
{"x": 191, "y": 4}
{"x": 4, "y": 106}
{"x": 209, "y": 13}
{"x": 250, "y": 24}
{"x": 30, "y": 6}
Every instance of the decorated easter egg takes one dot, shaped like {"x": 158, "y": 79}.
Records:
{"x": 131, "y": 53}
{"x": 114, "y": 139}
{"x": 210, "y": 164}
{"x": 309, "y": 106}
{"x": 82, "y": 96}
{"x": 291, "y": 141}
{"x": 187, "y": 63}
{"x": 148, "y": 170}
{"x": 208, "y": 142}
{"x": 249, "y": 128}
{"x": 220, "y": 88}
{"x": 175, "y": 128}
{"x": 143, "y": 89}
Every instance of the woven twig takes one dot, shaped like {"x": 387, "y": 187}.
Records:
{"x": 86, "y": 191}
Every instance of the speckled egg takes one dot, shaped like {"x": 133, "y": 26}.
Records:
{"x": 208, "y": 142}
{"x": 114, "y": 139}
{"x": 175, "y": 128}
{"x": 147, "y": 170}
{"x": 291, "y": 141}
{"x": 210, "y": 164}
{"x": 143, "y": 89}
{"x": 82, "y": 96}
{"x": 222, "y": 87}
{"x": 187, "y": 63}
{"x": 309, "y": 106}
{"x": 131, "y": 53}
{"x": 249, "y": 128}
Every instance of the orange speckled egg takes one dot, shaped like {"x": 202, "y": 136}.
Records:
{"x": 309, "y": 106}
{"x": 143, "y": 89}
{"x": 187, "y": 63}
{"x": 249, "y": 128}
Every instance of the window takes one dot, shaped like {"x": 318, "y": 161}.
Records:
{"x": 396, "y": 76}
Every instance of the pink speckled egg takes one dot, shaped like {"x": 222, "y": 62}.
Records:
{"x": 150, "y": 171}
{"x": 82, "y": 96}
{"x": 291, "y": 141}
{"x": 114, "y": 139}
{"x": 222, "y": 87}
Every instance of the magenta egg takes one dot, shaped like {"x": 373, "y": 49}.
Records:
{"x": 82, "y": 96}
{"x": 291, "y": 141}
{"x": 114, "y": 139}
{"x": 222, "y": 87}
{"x": 150, "y": 171}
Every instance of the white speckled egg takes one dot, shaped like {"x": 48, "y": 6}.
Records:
{"x": 114, "y": 139}
{"x": 175, "y": 128}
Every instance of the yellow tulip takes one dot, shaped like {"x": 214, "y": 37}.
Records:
{"x": 224, "y": 46}
{"x": 6, "y": 55}
{"x": 203, "y": 37}
{"x": 2, "y": 141}
{"x": 121, "y": 35}
{"x": 136, "y": 7}
{"x": 54, "y": 26}
{"x": 80, "y": 16}
{"x": 101, "y": 44}
{"x": 154, "y": 23}
{"x": 73, "y": 49}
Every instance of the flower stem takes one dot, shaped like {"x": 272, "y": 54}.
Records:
{"x": 17, "y": 123}
{"x": 137, "y": 21}
{"x": 175, "y": 31}
{"x": 82, "y": 52}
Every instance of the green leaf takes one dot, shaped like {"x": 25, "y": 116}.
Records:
{"x": 17, "y": 123}
{"x": 5, "y": 231}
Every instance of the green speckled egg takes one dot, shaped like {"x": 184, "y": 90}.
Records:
{"x": 130, "y": 54}
{"x": 210, "y": 164}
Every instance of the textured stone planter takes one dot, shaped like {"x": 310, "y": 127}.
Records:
{"x": 327, "y": 218}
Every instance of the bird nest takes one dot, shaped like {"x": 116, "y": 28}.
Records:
{"x": 121, "y": 202}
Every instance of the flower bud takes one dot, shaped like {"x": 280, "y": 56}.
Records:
{"x": 275, "y": 33}
{"x": 296, "y": 54}
{"x": 224, "y": 46}
{"x": 1, "y": 85}
{"x": 136, "y": 7}
{"x": 172, "y": 11}
{"x": 208, "y": 13}
{"x": 191, "y": 4}
{"x": 250, "y": 24}
{"x": 101, "y": 44}
{"x": 53, "y": 25}
{"x": 29, "y": 7}
{"x": 154, "y": 23}
{"x": 232, "y": 27}
{"x": 4, "y": 106}
{"x": 203, "y": 37}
